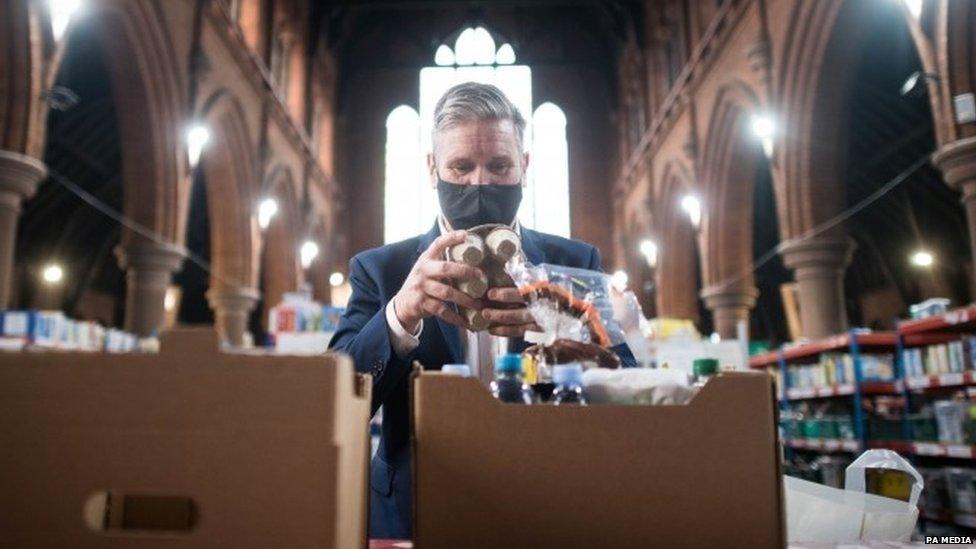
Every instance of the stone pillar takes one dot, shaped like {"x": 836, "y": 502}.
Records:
{"x": 957, "y": 161}
{"x": 148, "y": 267}
{"x": 818, "y": 266}
{"x": 728, "y": 307}
{"x": 232, "y": 308}
{"x": 19, "y": 177}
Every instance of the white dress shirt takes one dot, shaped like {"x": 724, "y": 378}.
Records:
{"x": 479, "y": 348}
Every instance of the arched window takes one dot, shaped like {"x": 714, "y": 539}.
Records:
{"x": 405, "y": 207}
{"x": 550, "y": 173}
{"x": 475, "y": 57}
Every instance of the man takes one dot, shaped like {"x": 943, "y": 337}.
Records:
{"x": 403, "y": 304}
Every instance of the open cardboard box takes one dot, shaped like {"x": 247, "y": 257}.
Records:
{"x": 190, "y": 447}
{"x": 490, "y": 474}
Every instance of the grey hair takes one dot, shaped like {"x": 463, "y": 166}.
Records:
{"x": 474, "y": 101}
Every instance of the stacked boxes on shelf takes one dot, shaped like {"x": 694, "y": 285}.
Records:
{"x": 300, "y": 325}
{"x": 838, "y": 369}
{"x": 54, "y": 330}
{"x": 945, "y": 358}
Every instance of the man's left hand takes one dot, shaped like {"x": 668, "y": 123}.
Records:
{"x": 507, "y": 313}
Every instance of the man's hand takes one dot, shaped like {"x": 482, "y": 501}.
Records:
{"x": 507, "y": 313}
{"x": 427, "y": 291}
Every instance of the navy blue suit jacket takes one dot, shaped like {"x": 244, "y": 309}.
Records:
{"x": 376, "y": 276}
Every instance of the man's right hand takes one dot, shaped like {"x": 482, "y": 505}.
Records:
{"x": 428, "y": 292}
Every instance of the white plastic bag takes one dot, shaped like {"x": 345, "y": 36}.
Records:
{"x": 642, "y": 386}
{"x": 818, "y": 513}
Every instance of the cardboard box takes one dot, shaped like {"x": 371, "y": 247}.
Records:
{"x": 190, "y": 447}
{"x": 490, "y": 474}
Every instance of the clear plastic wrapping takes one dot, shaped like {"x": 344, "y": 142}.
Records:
{"x": 568, "y": 303}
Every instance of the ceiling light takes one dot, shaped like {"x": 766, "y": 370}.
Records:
{"x": 649, "y": 250}
{"x": 61, "y": 12}
{"x": 308, "y": 252}
{"x": 52, "y": 274}
{"x": 197, "y": 137}
{"x": 266, "y": 210}
{"x": 692, "y": 206}
{"x": 922, "y": 258}
{"x": 336, "y": 279}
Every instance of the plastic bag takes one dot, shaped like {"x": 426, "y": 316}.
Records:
{"x": 629, "y": 386}
{"x": 818, "y": 513}
{"x": 568, "y": 303}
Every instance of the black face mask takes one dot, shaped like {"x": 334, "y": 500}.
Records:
{"x": 467, "y": 206}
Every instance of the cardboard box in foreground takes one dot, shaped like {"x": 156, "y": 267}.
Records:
{"x": 190, "y": 447}
{"x": 490, "y": 474}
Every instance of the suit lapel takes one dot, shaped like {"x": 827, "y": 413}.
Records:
{"x": 531, "y": 247}
{"x": 449, "y": 332}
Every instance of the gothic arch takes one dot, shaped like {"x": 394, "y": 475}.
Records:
{"x": 813, "y": 78}
{"x": 728, "y": 170}
{"x": 149, "y": 92}
{"x": 281, "y": 239}
{"x": 677, "y": 264}
{"x": 229, "y": 166}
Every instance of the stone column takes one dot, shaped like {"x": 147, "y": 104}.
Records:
{"x": 818, "y": 266}
{"x": 232, "y": 308}
{"x": 19, "y": 177}
{"x": 148, "y": 267}
{"x": 728, "y": 307}
{"x": 957, "y": 161}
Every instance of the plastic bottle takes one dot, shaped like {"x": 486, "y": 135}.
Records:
{"x": 509, "y": 385}
{"x": 569, "y": 384}
{"x": 462, "y": 370}
{"x": 703, "y": 369}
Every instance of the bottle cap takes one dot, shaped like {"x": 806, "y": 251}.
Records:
{"x": 567, "y": 374}
{"x": 462, "y": 370}
{"x": 510, "y": 363}
{"x": 704, "y": 366}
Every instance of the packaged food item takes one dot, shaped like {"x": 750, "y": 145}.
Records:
{"x": 486, "y": 247}
{"x": 568, "y": 303}
{"x": 462, "y": 370}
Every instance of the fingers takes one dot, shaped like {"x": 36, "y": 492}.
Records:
{"x": 505, "y": 295}
{"x": 512, "y": 331}
{"x": 435, "y": 307}
{"x": 440, "y": 245}
{"x": 444, "y": 292}
{"x": 511, "y": 317}
{"x": 449, "y": 270}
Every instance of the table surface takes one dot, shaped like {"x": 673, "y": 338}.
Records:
{"x": 407, "y": 544}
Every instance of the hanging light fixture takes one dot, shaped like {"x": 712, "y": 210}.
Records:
{"x": 308, "y": 252}
{"x": 52, "y": 274}
{"x": 764, "y": 127}
{"x": 648, "y": 248}
{"x": 922, "y": 258}
{"x": 266, "y": 211}
{"x": 692, "y": 206}
{"x": 61, "y": 12}
{"x": 197, "y": 137}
